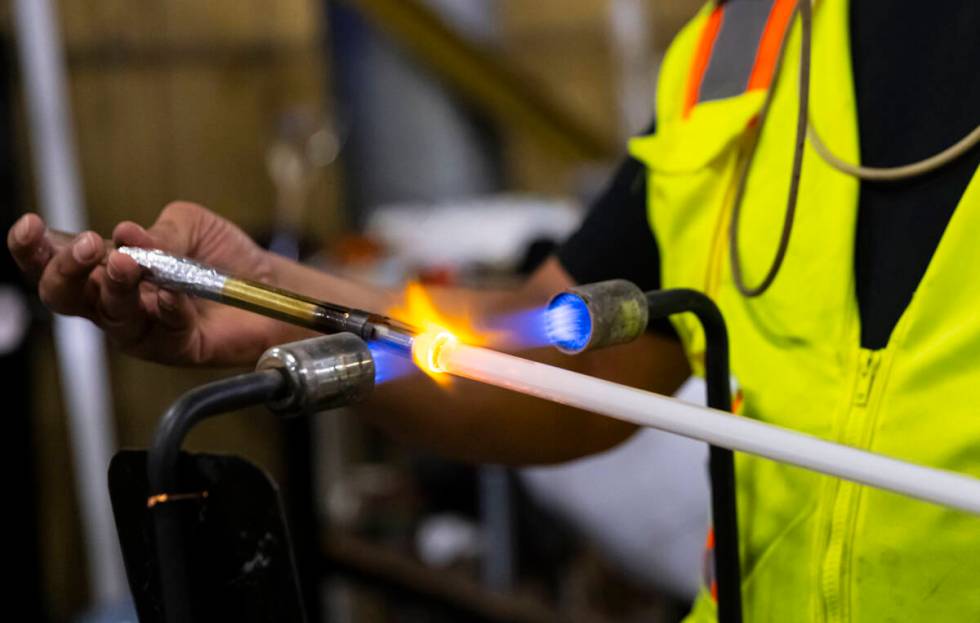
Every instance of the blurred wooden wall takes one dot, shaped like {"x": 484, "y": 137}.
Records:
{"x": 180, "y": 98}
{"x": 173, "y": 99}
{"x": 565, "y": 47}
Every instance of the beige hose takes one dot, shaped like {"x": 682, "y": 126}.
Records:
{"x": 892, "y": 174}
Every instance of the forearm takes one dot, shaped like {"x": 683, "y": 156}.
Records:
{"x": 295, "y": 277}
{"x": 311, "y": 282}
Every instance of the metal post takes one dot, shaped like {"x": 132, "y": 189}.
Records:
{"x": 497, "y": 568}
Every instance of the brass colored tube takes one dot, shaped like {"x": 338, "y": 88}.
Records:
{"x": 263, "y": 299}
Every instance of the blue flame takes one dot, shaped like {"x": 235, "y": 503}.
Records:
{"x": 390, "y": 362}
{"x": 565, "y": 323}
{"x": 568, "y": 323}
{"x": 520, "y": 329}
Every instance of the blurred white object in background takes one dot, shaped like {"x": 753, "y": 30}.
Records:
{"x": 644, "y": 503}
{"x": 15, "y": 319}
{"x": 492, "y": 230}
{"x": 446, "y": 539}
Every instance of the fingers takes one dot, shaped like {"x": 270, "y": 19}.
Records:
{"x": 130, "y": 314}
{"x": 63, "y": 286}
{"x": 120, "y": 310}
{"x": 135, "y": 314}
{"x": 28, "y": 246}
{"x": 128, "y": 233}
{"x": 175, "y": 230}
{"x": 175, "y": 310}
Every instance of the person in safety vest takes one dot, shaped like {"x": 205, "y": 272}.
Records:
{"x": 813, "y": 169}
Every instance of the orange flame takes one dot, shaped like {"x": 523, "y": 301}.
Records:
{"x": 418, "y": 310}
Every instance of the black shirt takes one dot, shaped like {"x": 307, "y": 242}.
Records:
{"x": 917, "y": 83}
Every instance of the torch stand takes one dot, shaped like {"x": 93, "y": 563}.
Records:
{"x": 212, "y": 523}
{"x": 724, "y": 516}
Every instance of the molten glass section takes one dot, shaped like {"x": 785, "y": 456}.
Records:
{"x": 436, "y": 330}
{"x": 427, "y": 350}
{"x": 568, "y": 323}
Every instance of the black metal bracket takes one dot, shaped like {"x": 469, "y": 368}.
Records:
{"x": 206, "y": 401}
{"x": 721, "y": 462}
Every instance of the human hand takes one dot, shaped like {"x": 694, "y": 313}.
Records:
{"x": 86, "y": 279}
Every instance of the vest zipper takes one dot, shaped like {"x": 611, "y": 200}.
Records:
{"x": 870, "y": 360}
{"x": 834, "y": 569}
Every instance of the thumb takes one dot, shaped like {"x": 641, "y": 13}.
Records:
{"x": 173, "y": 231}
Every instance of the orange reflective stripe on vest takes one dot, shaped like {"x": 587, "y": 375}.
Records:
{"x": 737, "y": 49}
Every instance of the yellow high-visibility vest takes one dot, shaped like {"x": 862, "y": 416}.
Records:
{"x": 815, "y": 548}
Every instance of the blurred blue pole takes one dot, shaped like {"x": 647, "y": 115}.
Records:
{"x": 406, "y": 138}
{"x": 496, "y": 515}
